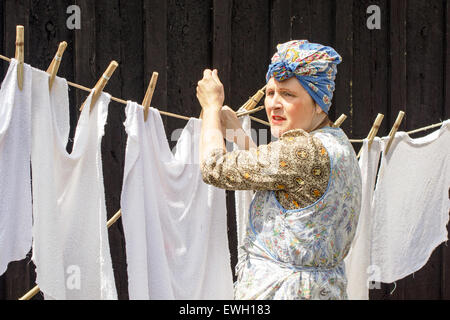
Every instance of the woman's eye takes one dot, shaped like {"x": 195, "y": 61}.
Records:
{"x": 288, "y": 94}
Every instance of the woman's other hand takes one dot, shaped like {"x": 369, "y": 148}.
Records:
{"x": 230, "y": 123}
{"x": 210, "y": 92}
{"x": 229, "y": 119}
{"x": 232, "y": 129}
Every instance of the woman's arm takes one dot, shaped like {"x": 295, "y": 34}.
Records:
{"x": 211, "y": 95}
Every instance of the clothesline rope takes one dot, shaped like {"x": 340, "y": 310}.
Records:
{"x": 170, "y": 114}
{"x": 244, "y": 113}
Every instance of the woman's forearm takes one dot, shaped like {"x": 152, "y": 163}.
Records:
{"x": 211, "y": 136}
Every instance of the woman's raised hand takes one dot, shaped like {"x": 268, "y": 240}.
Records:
{"x": 210, "y": 92}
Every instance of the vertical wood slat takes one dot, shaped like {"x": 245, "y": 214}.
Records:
{"x": 2, "y": 49}
{"x": 221, "y": 43}
{"x": 398, "y": 35}
{"x": 397, "y": 101}
{"x": 314, "y": 20}
{"x": 445, "y": 264}
{"x": 446, "y": 110}
{"x": 84, "y": 60}
{"x": 3, "y": 295}
{"x": 281, "y": 23}
{"x": 343, "y": 103}
{"x": 424, "y": 105}
{"x": 370, "y": 74}
{"x": 47, "y": 30}
{"x": 221, "y": 60}
{"x": 188, "y": 52}
{"x": 114, "y": 31}
{"x": 155, "y": 50}
{"x": 425, "y": 63}
{"x": 361, "y": 70}
{"x": 250, "y": 53}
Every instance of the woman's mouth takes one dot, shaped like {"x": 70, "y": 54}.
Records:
{"x": 277, "y": 119}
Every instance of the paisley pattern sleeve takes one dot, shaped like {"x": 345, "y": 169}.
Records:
{"x": 296, "y": 167}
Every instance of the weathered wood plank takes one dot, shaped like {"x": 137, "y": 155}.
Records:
{"x": 118, "y": 40}
{"x": 425, "y": 62}
{"x": 221, "y": 43}
{"x": 189, "y": 52}
{"x": 445, "y": 265}
{"x": 398, "y": 50}
{"x": 2, "y": 33}
{"x": 281, "y": 25}
{"x": 84, "y": 58}
{"x": 342, "y": 100}
{"x": 221, "y": 60}
{"x": 314, "y": 21}
{"x": 155, "y": 51}
{"x": 370, "y": 71}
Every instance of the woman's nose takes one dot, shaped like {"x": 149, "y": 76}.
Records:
{"x": 275, "y": 102}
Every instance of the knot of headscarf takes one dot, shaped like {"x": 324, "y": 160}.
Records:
{"x": 313, "y": 64}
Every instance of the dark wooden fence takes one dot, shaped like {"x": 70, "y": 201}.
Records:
{"x": 402, "y": 66}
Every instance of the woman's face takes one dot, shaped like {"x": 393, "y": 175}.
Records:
{"x": 288, "y": 106}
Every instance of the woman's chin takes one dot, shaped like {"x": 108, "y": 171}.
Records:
{"x": 276, "y": 131}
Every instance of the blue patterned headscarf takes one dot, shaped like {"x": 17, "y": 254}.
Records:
{"x": 313, "y": 64}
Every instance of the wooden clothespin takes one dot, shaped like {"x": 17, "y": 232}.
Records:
{"x": 102, "y": 83}
{"x": 19, "y": 56}
{"x": 373, "y": 131}
{"x": 244, "y": 113}
{"x": 54, "y": 66}
{"x": 253, "y": 101}
{"x": 394, "y": 130}
{"x": 339, "y": 121}
{"x": 149, "y": 94}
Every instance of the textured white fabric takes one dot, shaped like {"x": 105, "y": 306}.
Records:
{"x": 15, "y": 179}
{"x": 243, "y": 198}
{"x": 70, "y": 239}
{"x": 411, "y": 204}
{"x": 174, "y": 224}
{"x": 357, "y": 262}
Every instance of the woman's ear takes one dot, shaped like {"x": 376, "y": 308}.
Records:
{"x": 318, "y": 108}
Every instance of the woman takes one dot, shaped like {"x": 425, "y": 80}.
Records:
{"x": 304, "y": 214}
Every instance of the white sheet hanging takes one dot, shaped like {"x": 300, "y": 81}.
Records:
{"x": 358, "y": 267}
{"x": 411, "y": 204}
{"x": 70, "y": 246}
{"x": 15, "y": 177}
{"x": 174, "y": 224}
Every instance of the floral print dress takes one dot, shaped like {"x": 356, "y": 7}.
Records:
{"x": 303, "y": 216}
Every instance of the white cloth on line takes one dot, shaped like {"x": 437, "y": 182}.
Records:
{"x": 411, "y": 203}
{"x": 15, "y": 177}
{"x": 70, "y": 239}
{"x": 243, "y": 198}
{"x": 357, "y": 263}
{"x": 175, "y": 225}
